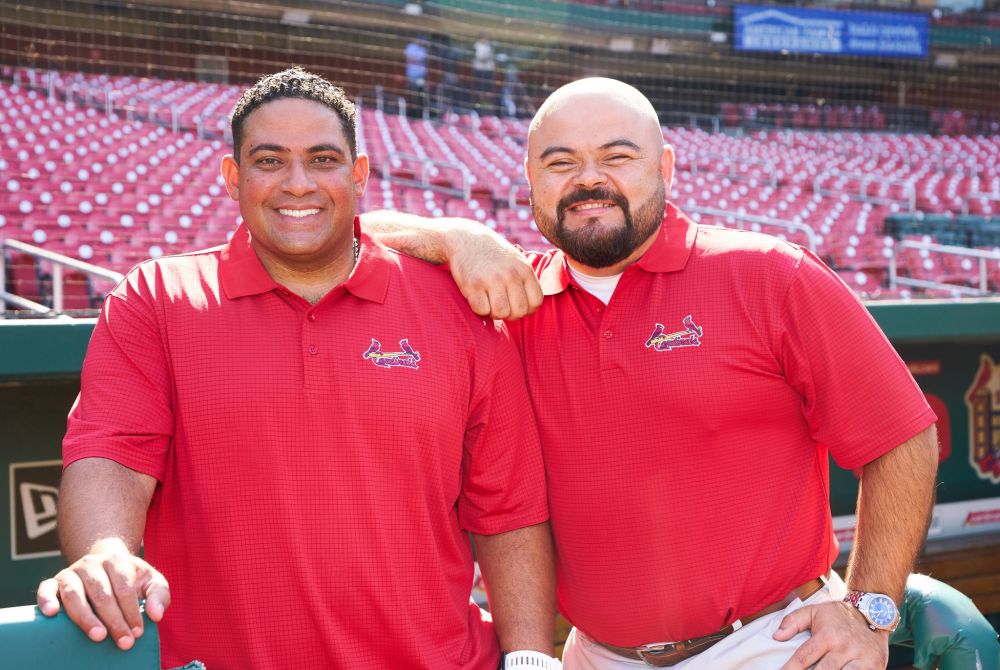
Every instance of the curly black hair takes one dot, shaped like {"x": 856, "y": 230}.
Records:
{"x": 295, "y": 83}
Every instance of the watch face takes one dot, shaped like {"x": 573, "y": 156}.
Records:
{"x": 881, "y": 611}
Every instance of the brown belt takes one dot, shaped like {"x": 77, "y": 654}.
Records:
{"x": 665, "y": 654}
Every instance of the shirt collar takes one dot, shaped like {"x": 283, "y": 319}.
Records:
{"x": 242, "y": 273}
{"x": 668, "y": 253}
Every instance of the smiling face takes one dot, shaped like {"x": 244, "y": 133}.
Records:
{"x": 297, "y": 186}
{"x": 599, "y": 173}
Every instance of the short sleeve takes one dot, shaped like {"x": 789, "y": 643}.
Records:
{"x": 503, "y": 477}
{"x": 124, "y": 410}
{"x": 860, "y": 400}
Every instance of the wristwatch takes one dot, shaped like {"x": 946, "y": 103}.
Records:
{"x": 530, "y": 660}
{"x": 878, "y": 609}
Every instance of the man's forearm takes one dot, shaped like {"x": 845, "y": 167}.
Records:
{"x": 894, "y": 507}
{"x": 101, "y": 501}
{"x": 519, "y": 571}
{"x": 102, "y": 512}
{"x": 417, "y": 236}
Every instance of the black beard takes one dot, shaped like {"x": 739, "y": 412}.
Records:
{"x": 601, "y": 247}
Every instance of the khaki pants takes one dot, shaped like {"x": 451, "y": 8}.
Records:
{"x": 749, "y": 648}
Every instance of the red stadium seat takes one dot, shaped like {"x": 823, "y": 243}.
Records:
{"x": 120, "y": 187}
{"x": 76, "y": 291}
{"x": 24, "y": 278}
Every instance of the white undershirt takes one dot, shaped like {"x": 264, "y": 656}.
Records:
{"x": 600, "y": 287}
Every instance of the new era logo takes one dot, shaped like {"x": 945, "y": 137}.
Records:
{"x": 39, "y": 506}
{"x": 34, "y": 492}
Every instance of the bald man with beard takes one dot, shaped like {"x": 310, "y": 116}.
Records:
{"x": 690, "y": 383}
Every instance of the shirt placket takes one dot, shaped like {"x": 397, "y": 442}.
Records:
{"x": 605, "y": 325}
{"x": 315, "y": 357}
{"x": 311, "y": 344}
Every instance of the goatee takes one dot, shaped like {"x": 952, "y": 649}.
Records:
{"x": 600, "y": 246}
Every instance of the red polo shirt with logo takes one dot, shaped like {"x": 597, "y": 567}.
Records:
{"x": 318, "y": 466}
{"x": 686, "y": 427}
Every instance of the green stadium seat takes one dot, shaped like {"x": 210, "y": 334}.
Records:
{"x": 943, "y": 628}
{"x": 31, "y": 640}
{"x": 987, "y": 234}
{"x": 969, "y": 220}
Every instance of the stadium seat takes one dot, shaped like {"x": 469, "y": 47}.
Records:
{"x": 31, "y": 640}
{"x": 943, "y": 628}
{"x": 76, "y": 291}
{"x": 77, "y": 173}
{"x": 23, "y": 277}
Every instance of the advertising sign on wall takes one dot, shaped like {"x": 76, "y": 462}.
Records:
{"x": 820, "y": 31}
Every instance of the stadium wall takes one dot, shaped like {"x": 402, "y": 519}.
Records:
{"x": 953, "y": 349}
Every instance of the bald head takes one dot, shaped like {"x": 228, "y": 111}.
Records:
{"x": 585, "y": 95}
{"x": 593, "y": 108}
{"x": 598, "y": 171}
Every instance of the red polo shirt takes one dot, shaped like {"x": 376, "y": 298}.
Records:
{"x": 686, "y": 425}
{"x": 319, "y": 466}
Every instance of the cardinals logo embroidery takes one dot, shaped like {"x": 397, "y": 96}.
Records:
{"x": 407, "y": 358}
{"x": 689, "y": 337}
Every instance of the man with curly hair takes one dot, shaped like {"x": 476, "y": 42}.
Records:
{"x": 301, "y": 428}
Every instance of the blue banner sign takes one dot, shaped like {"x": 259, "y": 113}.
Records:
{"x": 823, "y": 31}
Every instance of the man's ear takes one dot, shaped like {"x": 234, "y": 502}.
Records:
{"x": 231, "y": 175}
{"x": 361, "y": 171}
{"x": 667, "y": 166}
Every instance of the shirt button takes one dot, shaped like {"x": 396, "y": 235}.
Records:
{"x": 312, "y": 316}
{"x": 608, "y": 333}
{"x": 313, "y": 349}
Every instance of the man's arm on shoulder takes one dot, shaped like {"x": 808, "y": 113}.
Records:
{"x": 518, "y": 568}
{"x": 102, "y": 514}
{"x": 490, "y": 272}
{"x": 894, "y": 506}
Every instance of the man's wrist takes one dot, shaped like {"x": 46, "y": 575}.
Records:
{"x": 110, "y": 545}
{"x": 455, "y": 234}
{"x": 878, "y": 610}
{"x": 535, "y": 660}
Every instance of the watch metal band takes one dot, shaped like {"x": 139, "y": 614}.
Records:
{"x": 854, "y": 597}
{"x": 530, "y": 660}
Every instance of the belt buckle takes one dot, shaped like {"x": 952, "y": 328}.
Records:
{"x": 656, "y": 650}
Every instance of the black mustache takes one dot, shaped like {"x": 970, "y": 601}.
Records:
{"x": 600, "y": 193}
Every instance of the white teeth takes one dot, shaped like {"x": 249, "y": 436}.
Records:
{"x": 298, "y": 213}
{"x": 592, "y": 205}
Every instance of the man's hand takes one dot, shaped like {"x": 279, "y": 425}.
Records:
{"x": 492, "y": 275}
{"x": 839, "y": 638}
{"x": 101, "y": 593}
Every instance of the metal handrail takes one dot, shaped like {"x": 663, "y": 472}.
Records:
{"x": 425, "y": 178}
{"x": 730, "y": 162}
{"x": 59, "y": 261}
{"x": 909, "y": 190}
{"x": 516, "y": 187}
{"x": 810, "y": 234}
{"x": 980, "y": 255}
